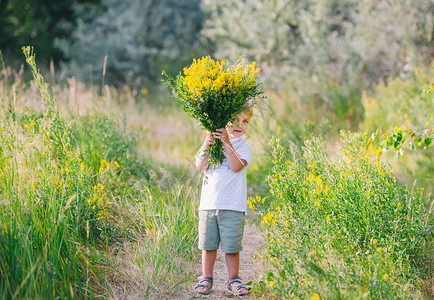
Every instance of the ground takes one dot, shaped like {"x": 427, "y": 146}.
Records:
{"x": 250, "y": 268}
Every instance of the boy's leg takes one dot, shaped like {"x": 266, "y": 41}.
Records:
{"x": 208, "y": 261}
{"x": 233, "y": 263}
{"x": 209, "y": 240}
{"x": 231, "y": 234}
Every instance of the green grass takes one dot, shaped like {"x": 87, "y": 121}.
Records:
{"x": 99, "y": 197}
{"x": 80, "y": 207}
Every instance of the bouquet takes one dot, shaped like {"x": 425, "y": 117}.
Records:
{"x": 215, "y": 95}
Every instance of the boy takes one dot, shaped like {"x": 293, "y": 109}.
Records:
{"x": 223, "y": 204}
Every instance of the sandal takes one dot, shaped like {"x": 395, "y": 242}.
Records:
{"x": 236, "y": 291}
{"x": 207, "y": 286}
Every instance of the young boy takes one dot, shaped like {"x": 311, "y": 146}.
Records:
{"x": 223, "y": 204}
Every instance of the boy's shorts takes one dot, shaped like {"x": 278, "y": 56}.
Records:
{"x": 225, "y": 226}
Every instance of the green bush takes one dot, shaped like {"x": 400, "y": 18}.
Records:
{"x": 341, "y": 226}
{"x": 406, "y": 104}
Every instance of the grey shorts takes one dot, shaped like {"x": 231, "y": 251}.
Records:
{"x": 226, "y": 227}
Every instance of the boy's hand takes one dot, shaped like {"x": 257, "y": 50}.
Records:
{"x": 221, "y": 134}
{"x": 209, "y": 140}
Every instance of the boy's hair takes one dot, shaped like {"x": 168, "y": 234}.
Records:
{"x": 249, "y": 112}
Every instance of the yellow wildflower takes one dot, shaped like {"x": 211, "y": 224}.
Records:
{"x": 316, "y": 297}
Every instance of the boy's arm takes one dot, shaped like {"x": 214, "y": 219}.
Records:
{"x": 202, "y": 158}
{"x": 235, "y": 162}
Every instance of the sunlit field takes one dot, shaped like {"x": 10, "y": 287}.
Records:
{"x": 99, "y": 193}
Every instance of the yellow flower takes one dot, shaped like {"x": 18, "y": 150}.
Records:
{"x": 316, "y": 297}
{"x": 271, "y": 283}
{"x": 269, "y": 218}
{"x": 385, "y": 276}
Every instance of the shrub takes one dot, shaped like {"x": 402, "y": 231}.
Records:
{"x": 405, "y": 105}
{"x": 341, "y": 227}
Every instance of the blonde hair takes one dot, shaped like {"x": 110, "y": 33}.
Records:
{"x": 249, "y": 112}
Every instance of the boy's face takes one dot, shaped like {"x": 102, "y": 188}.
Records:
{"x": 239, "y": 126}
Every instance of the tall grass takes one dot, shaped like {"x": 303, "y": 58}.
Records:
{"x": 80, "y": 207}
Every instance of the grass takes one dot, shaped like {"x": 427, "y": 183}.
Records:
{"x": 81, "y": 207}
{"x": 99, "y": 197}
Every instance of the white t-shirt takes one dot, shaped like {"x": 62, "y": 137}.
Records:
{"x": 222, "y": 188}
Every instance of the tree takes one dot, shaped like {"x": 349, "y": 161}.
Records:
{"x": 36, "y": 23}
{"x": 140, "y": 38}
{"x": 312, "y": 43}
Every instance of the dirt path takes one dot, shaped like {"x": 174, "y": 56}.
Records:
{"x": 250, "y": 267}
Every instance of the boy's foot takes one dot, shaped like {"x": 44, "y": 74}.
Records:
{"x": 237, "y": 287}
{"x": 204, "y": 285}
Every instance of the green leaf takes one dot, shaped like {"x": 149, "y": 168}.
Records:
{"x": 427, "y": 141}
{"x": 418, "y": 141}
{"x": 399, "y": 137}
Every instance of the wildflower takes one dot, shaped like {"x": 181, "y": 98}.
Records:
{"x": 279, "y": 128}
{"x": 316, "y": 297}
{"x": 269, "y": 218}
{"x": 271, "y": 283}
{"x": 206, "y": 81}
{"x": 385, "y": 276}
{"x": 116, "y": 164}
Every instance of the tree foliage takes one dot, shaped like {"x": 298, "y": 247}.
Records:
{"x": 140, "y": 38}
{"x": 36, "y": 23}
{"x": 316, "y": 42}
